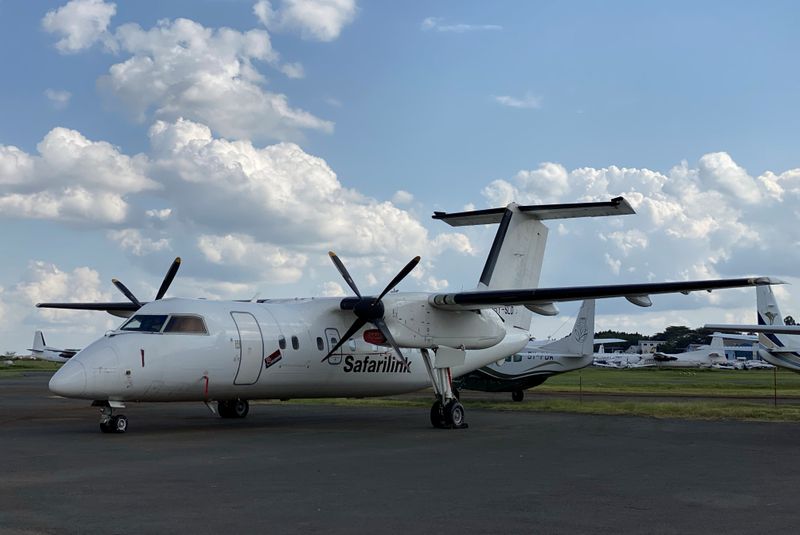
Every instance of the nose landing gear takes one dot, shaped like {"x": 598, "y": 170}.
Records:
{"x": 111, "y": 423}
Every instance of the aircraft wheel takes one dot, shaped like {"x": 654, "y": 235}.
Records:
{"x": 517, "y": 395}
{"x": 224, "y": 409}
{"x": 437, "y": 415}
{"x": 240, "y": 408}
{"x": 119, "y": 423}
{"x": 454, "y": 414}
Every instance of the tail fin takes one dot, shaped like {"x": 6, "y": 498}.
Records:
{"x": 515, "y": 259}
{"x": 580, "y": 342}
{"x": 767, "y": 306}
{"x": 38, "y": 342}
{"x": 717, "y": 342}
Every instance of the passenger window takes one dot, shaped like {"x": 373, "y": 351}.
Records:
{"x": 352, "y": 345}
{"x": 320, "y": 343}
{"x": 508, "y": 359}
{"x": 295, "y": 343}
{"x": 517, "y": 358}
{"x": 186, "y": 324}
{"x": 333, "y": 341}
{"x": 282, "y": 342}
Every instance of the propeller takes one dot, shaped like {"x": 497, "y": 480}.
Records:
{"x": 168, "y": 278}
{"x": 367, "y": 309}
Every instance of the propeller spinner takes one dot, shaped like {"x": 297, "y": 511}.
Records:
{"x": 367, "y": 309}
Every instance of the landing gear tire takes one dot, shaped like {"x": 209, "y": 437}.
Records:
{"x": 437, "y": 415}
{"x": 115, "y": 424}
{"x": 235, "y": 408}
{"x": 454, "y": 415}
{"x": 517, "y": 395}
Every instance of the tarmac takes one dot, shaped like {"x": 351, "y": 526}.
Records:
{"x": 292, "y": 468}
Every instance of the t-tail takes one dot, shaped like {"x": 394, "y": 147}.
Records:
{"x": 515, "y": 259}
{"x": 580, "y": 342}
{"x": 38, "y": 343}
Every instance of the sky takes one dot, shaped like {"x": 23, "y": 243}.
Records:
{"x": 252, "y": 137}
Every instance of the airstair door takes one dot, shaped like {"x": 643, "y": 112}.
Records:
{"x": 251, "y": 348}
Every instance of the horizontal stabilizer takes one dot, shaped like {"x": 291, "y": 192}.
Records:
{"x": 616, "y": 206}
{"x": 534, "y": 296}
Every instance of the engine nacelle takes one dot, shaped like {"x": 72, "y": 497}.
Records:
{"x": 415, "y": 323}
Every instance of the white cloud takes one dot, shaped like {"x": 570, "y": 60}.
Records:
{"x": 81, "y": 23}
{"x": 402, "y": 197}
{"x": 182, "y": 69}
{"x": 58, "y": 98}
{"x": 131, "y": 239}
{"x": 276, "y": 263}
{"x": 332, "y": 289}
{"x": 72, "y": 179}
{"x": 161, "y": 215}
{"x": 436, "y": 24}
{"x": 692, "y": 222}
{"x": 293, "y": 70}
{"x": 528, "y": 101}
{"x": 318, "y": 20}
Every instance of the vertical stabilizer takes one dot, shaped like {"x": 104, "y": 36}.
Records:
{"x": 717, "y": 342}
{"x": 580, "y": 342}
{"x": 770, "y": 314}
{"x": 38, "y": 342}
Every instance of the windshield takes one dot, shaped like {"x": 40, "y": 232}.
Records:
{"x": 186, "y": 325}
{"x": 144, "y": 323}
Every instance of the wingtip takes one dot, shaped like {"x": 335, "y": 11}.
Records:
{"x": 760, "y": 281}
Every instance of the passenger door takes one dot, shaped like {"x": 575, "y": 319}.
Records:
{"x": 251, "y": 348}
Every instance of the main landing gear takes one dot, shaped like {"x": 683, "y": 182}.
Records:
{"x": 110, "y": 422}
{"x": 233, "y": 408}
{"x": 446, "y": 412}
{"x": 517, "y": 395}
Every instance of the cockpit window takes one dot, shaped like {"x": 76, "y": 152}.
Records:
{"x": 144, "y": 323}
{"x": 186, "y": 325}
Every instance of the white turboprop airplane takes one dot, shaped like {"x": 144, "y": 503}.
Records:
{"x": 40, "y": 350}
{"x": 537, "y": 361}
{"x": 778, "y": 343}
{"x": 235, "y": 351}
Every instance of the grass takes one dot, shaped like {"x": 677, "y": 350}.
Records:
{"x": 18, "y": 367}
{"x": 707, "y": 383}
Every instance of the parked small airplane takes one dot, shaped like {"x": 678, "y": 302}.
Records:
{"x": 778, "y": 343}
{"x": 40, "y": 350}
{"x": 537, "y": 361}
{"x": 233, "y": 351}
{"x": 703, "y": 357}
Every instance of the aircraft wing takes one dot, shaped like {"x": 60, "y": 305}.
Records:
{"x": 542, "y": 297}
{"x": 121, "y": 309}
{"x": 734, "y": 328}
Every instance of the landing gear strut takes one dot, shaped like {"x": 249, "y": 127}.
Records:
{"x": 111, "y": 423}
{"x": 234, "y": 408}
{"x": 446, "y": 412}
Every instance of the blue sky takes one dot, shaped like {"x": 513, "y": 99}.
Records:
{"x": 313, "y": 116}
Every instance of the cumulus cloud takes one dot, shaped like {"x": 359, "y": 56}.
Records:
{"x": 276, "y": 263}
{"x": 279, "y": 195}
{"x": 58, "y": 98}
{"x": 436, "y": 24}
{"x": 528, "y": 101}
{"x": 81, "y": 24}
{"x": 317, "y": 20}
{"x": 696, "y": 222}
{"x": 182, "y": 69}
{"x": 131, "y": 239}
{"x": 71, "y": 179}
{"x": 402, "y": 197}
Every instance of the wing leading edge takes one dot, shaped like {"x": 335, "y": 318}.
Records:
{"x": 539, "y": 297}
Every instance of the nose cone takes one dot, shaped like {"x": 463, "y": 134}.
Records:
{"x": 70, "y": 380}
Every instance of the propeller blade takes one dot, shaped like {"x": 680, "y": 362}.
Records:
{"x": 350, "y": 332}
{"x": 127, "y": 293}
{"x": 344, "y": 273}
{"x": 173, "y": 270}
{"x": 384, "y": 329}
{"x": 400, "y": 276}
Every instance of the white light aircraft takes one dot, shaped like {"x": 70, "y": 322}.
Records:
{"x": 40, "y": 350}
{"x": 234, "y": 351}
{"x": 778, "y": 343}
{"x": 537, "y": 361}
